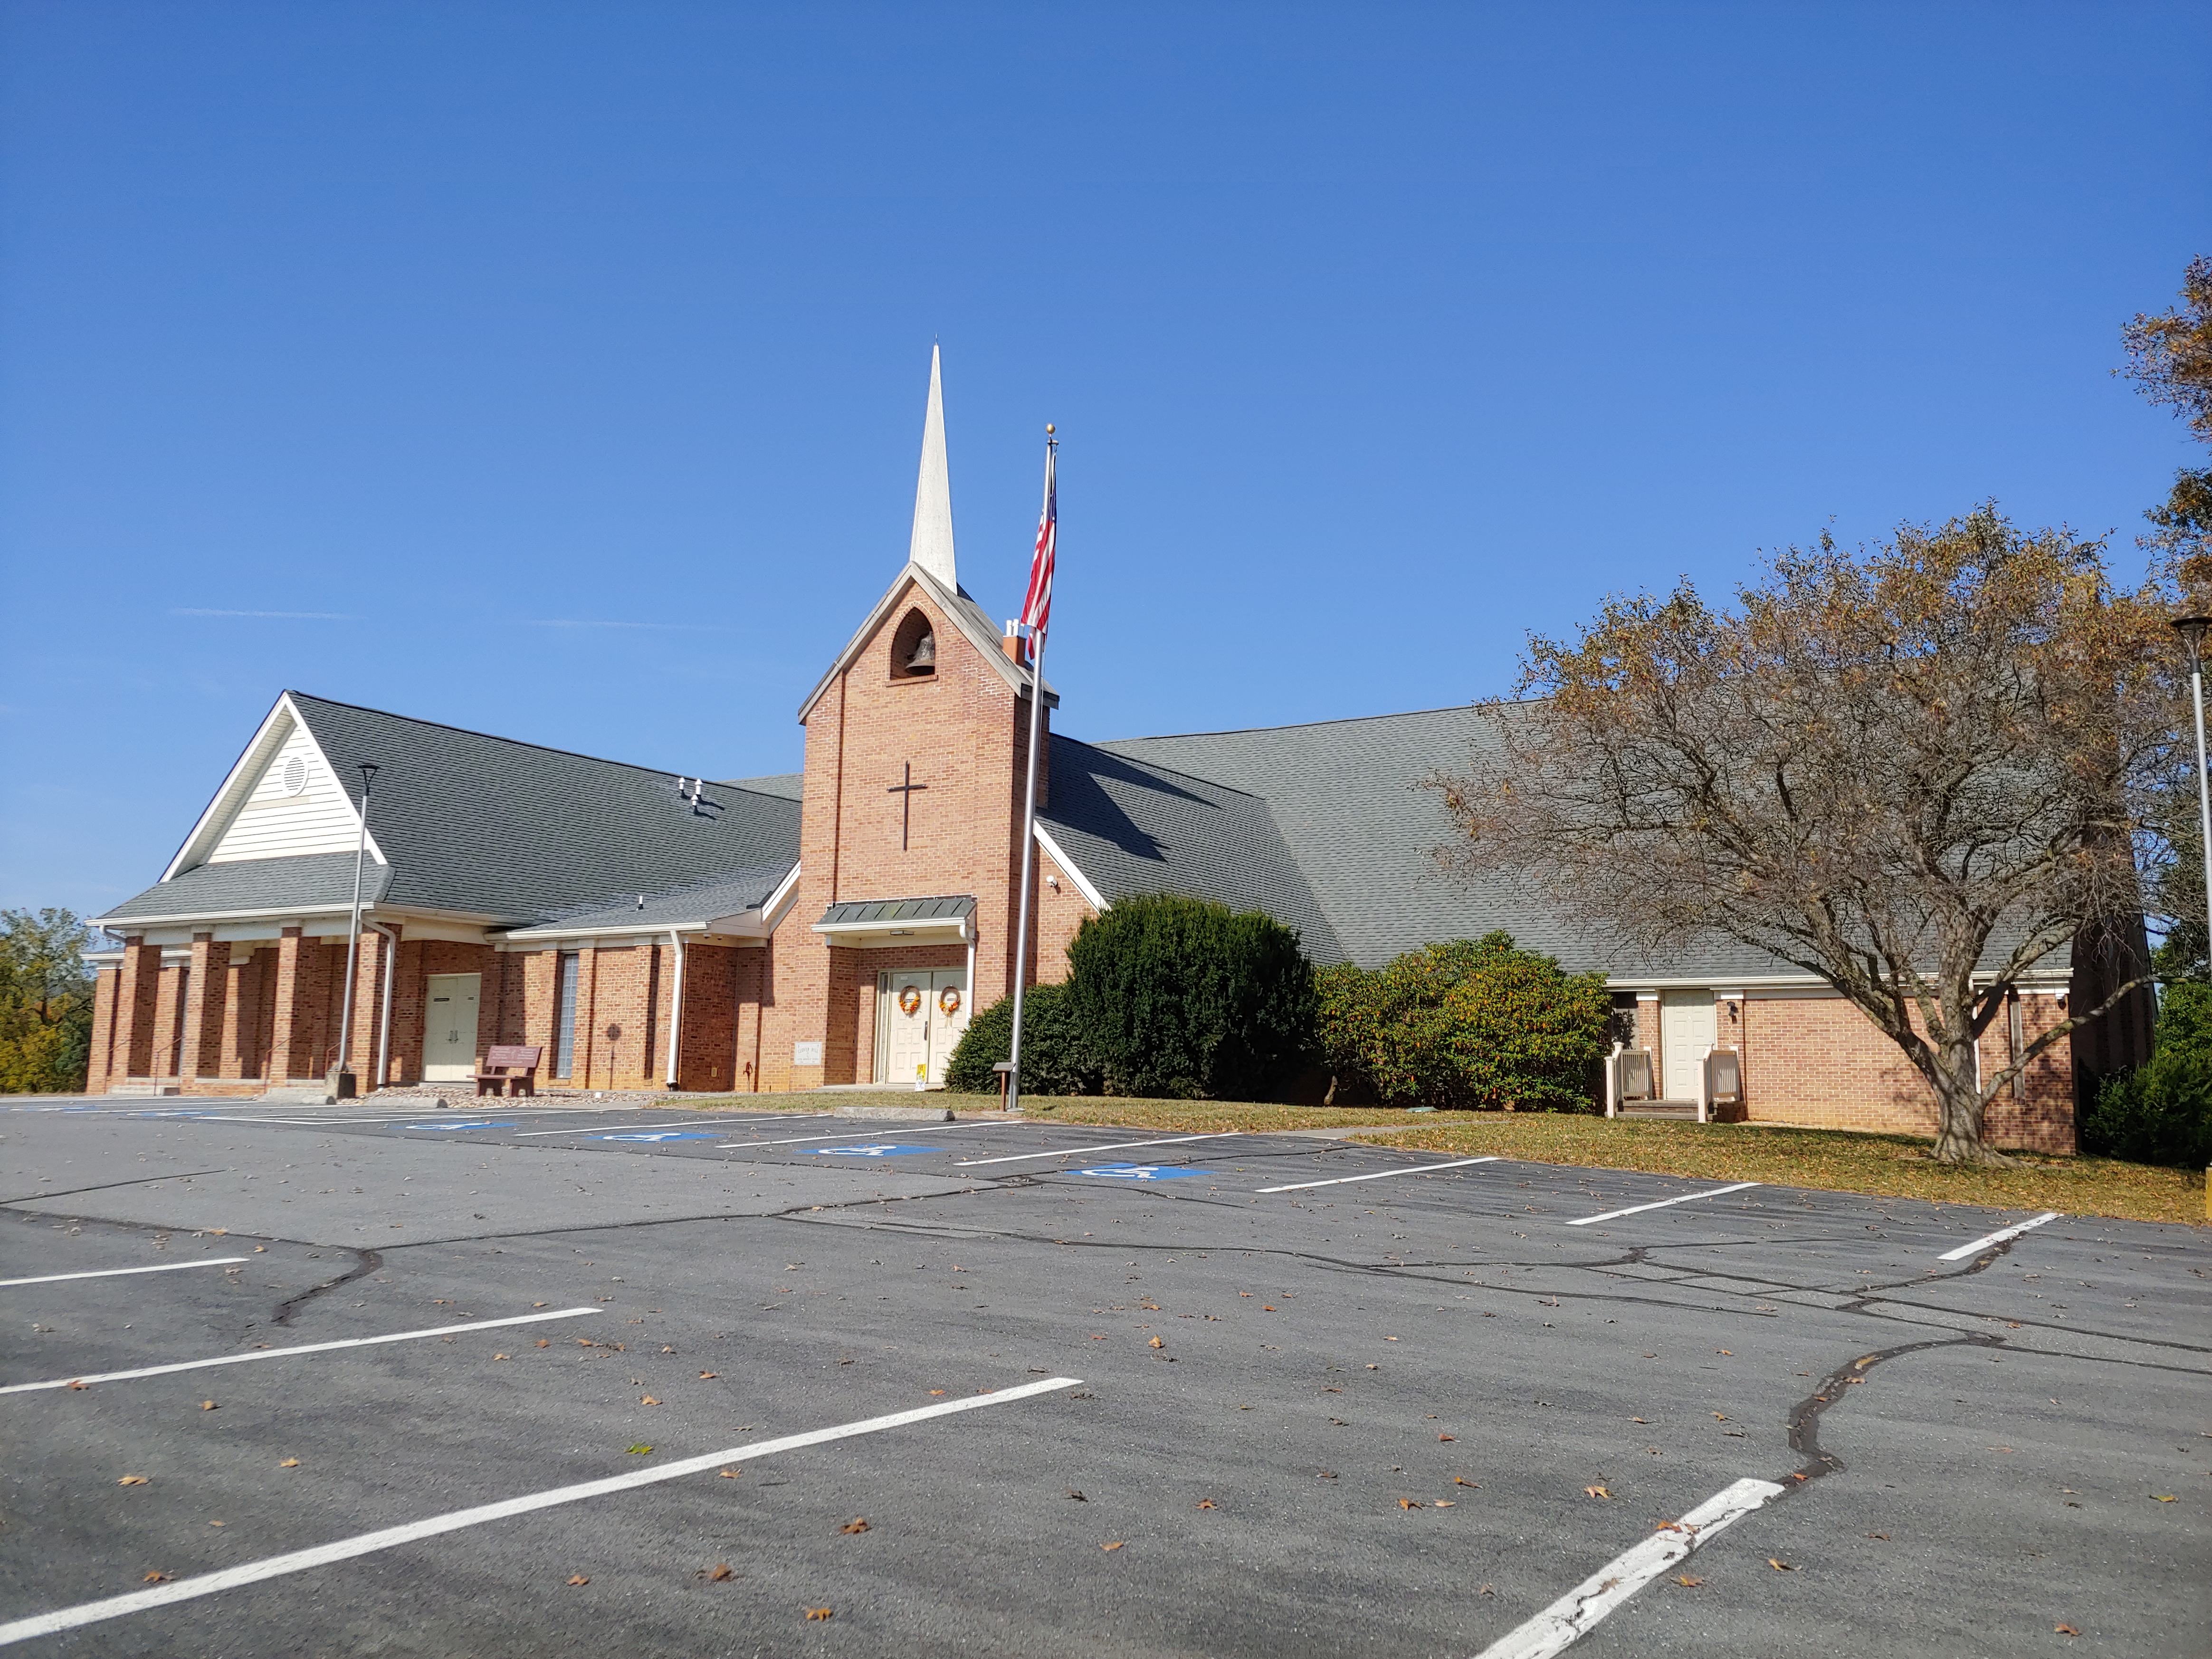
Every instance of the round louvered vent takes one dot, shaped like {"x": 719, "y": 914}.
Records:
{"x": 294, "y": 778}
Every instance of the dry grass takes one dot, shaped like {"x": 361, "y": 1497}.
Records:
{"x": 1889, "y": 1166}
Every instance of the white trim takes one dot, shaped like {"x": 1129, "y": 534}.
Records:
{"x": 778, "y": 904}
{"x": 245, "y": 773}
{"x": 1082, "y": 882}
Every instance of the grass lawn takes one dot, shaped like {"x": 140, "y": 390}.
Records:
{"x": 1891, "y": 1166}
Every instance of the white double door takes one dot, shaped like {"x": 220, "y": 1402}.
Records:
{"x": 921, "y": 1013}
{"x": 449, "y": 1028}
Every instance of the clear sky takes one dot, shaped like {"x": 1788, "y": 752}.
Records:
{"x": 557, "y": 371}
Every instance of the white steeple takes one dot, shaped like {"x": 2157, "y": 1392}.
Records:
{"x": 931, "y": 545}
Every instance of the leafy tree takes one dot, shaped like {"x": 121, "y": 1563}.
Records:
{"x": 1055, "y": 1059}
{"x": 1179, "y": 997}
{"x": 1915, "y": 772}
{"x": 2161, "y": 1113}
{"x": 2170, "y": 361}
{"x": 1474, "y": 1023}
{"x": 46, "y": 1002}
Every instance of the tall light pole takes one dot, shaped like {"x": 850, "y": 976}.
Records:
{"x": 2192, "y": 630}
{"x": 341, "y": 1079}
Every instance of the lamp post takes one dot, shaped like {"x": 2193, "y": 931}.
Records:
{"x": 342, "y": 1086}
{"x": 2192, "y": 630}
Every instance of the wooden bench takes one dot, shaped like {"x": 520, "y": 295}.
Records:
{"x": 509, "y": 1069}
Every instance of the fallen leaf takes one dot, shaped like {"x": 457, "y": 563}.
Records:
{"x": 499, "y": 1355}
{"x": 1720, "y": 1417}
{"x": 858, "y": 1523}
{"x": 1444, "y": 1504}
{"x": 290, "y": 1463}
{"x": 730, "y": 1475}
{"x": 1724, "y": 1351}
{"x": 1115, "y": 1545}
{"x": 937, "y": 1391}
{"x": 708, "y": 1376}
{"x": 80, "y": 1386}
{"x": 668, "y": 1349}
{"x": 1408, "y": 1503}
{"x": 1206, "y": 1502}
{"x": 640, "y": 1451}
{"x": 544, "y": 1342}
{"x": 157, "y": 1576}
{"x": 1780, "y": 1566}
{"x": 647, "y": 1400}
{"x": 2163, "y": 1498}
{"x": 1266, "y": 1308}
{"x": 132, "y": 1480}
{"x": 1157, "y": 1343}
{"x": 1595, "y": 1491}
{"x": 2064, "y": 1630}
{"x": 209, "y": 1405}
{"x": 1447, "y": 1436}
{"x": 578, "y": 1579}
{"x": 1461, "y": 1481}
{"x": 538, "y": 1305}
{"x": 214, "y": 1523}
{"x": 1639, "y": 1420}
{"x": 259, "y": 1249}
{"x": 1326, "y": 1475}
{"x": 1078, "y": 1496}
{"x": 1686, "y": 1582}
{"x": 1374, "y": 1368}
{"x": 1881, "y": 1535}
{"x": 720, "y": 1572}
{"x": 822, "y": 1612}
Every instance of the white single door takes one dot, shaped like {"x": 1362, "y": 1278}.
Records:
{"x": 1687, "y": 1029}
{"x": 907, "y": 1012}
{"x": 449, "y": 1028}
{"x": 948, "y": 1017}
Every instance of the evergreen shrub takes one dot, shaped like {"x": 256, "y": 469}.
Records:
{"x": 1474, "y": 1023}
{"x": 1054, "y": 1059}
{"x": 1181, "y": 998}
{"x": 2161, "y": 1112}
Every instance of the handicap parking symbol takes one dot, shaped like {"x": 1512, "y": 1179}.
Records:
{"x": 472, "y": 1124}
{"x": 661, "y": 1134}
{"x": 880, "y": 1149}
{"x": 1140, "y": 1172}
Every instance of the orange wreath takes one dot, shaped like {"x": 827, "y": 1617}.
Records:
{"x": 909, "y": 1000}
{"x": 949, "y": 1000}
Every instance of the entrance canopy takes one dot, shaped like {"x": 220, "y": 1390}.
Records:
{"x": 881, "y": 924}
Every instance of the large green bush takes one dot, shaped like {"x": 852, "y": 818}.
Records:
{"x": 2161, "y": 1113}
{"x": 1056, "y": 1061}
{"x": 1181, "y": 998}
{"x": 1474, "y": 1023}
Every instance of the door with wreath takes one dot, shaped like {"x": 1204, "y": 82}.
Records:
{"x": 922, "y": 1012}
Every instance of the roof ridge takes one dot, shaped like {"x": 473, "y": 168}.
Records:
{"x": 518, "y": 743}
{"x": 1344, "y": 720}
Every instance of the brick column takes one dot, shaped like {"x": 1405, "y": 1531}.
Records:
{"x": 292, "y": 1032}
{"x": 103, "y": 1031}
{"x": 241, "y": 1015}
{"x": 367, "y": 981}
{"x": 136, "y": 991}
{"x": 206, "y": 994}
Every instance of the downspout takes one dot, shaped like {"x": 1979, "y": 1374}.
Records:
{"x": 966, "y": 926}
{"x": 676, "y": 1007}
{"x": 384, "y": 1021}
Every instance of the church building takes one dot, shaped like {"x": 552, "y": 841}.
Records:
{"x": 841, "y": 924}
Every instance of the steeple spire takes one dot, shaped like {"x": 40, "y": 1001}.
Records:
{"x": 931, "y": 545}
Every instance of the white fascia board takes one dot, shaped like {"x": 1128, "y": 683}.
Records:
{"x": 540, "y": 938}
{"x": 206, "y": 919}
{"x": 246, "y": 772}
{"x": 778, "y": 904}
{"x": 1083, "y": 883}
{"x": 102, "y": 959}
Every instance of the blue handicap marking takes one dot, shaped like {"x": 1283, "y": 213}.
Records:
{"x": 660, "y": 1134}
{"x": 1139, "y": 1172}
{"x": 474, "y": 1123}
{"x": 878, "y": 1149}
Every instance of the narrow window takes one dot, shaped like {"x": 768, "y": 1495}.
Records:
{"x": 564, "y": 1051}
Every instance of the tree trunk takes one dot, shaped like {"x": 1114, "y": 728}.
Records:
{"x": 1959, "y": 1106}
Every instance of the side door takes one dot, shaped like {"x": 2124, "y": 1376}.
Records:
{"x": 449, "y": 1028}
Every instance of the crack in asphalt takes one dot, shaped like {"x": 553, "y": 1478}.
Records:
{"x": 107, "y": 1186}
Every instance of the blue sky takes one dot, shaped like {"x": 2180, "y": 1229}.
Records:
{"x": 557, "y": 371}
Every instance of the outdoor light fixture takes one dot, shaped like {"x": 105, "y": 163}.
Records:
{"x": 2191, "y": 629}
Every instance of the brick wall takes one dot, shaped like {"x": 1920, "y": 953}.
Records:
{"x": 100, "y": 1061}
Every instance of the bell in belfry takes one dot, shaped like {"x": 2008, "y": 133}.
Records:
{"x": 924, "y": 660}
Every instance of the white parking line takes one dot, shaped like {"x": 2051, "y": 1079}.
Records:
{"x": 591, "y": 1128}
{"x": 1417, "y": 1169}
{"x": 1999, "y": 1235}
{"x": 1572, "y": 1616}
{"x": 186, "y": 1589}
{"x": 1638, "y": 1209}
{"x": 288, "y": 1353}
{"x": 111, "y": 1273}
{"x": 869, "y": 1135}
{"x": 1085, "y": 1152}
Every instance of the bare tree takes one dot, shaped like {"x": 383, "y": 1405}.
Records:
{"x": 1912, "y": 771}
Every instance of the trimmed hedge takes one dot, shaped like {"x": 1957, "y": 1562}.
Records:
{"x": 1475, "y": 1022}
{"x": 1181, "y": 998}
{"x": 1056, "y": 1061}
{"x": 2161, "y": 1112}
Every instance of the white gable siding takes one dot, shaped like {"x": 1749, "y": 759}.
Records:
{"x": 272, "y": 824}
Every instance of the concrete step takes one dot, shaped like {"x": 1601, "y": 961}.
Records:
{"x": 142, "y": 1091}
{"x": 301, "y": 1094}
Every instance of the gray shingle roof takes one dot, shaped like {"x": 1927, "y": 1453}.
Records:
{"x": 704, "y": 902}
{"x": 1346, "y": 798}
{"x": 1134, "y": 826}
{"x": 318, "y": 881}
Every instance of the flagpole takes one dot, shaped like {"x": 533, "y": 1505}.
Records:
{"x": 1029, "y": 813}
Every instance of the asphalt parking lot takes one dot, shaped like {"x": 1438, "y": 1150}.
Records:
{"x": 399, "y": 1379}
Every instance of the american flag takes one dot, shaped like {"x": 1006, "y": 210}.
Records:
{"x": 1036, "y": 608}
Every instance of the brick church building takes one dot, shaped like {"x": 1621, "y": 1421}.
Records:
{"x": 839, "y": 926}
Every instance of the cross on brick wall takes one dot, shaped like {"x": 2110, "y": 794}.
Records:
{"x": 905, "y": 792}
